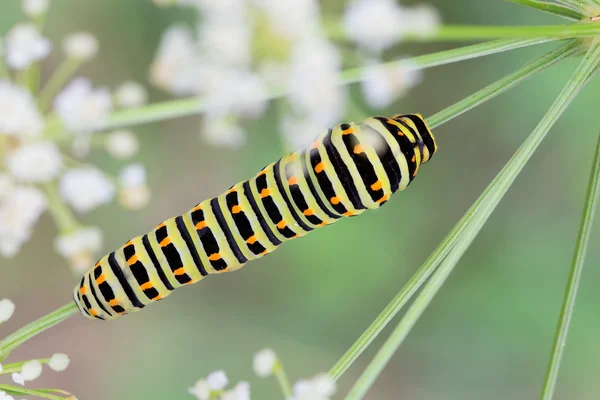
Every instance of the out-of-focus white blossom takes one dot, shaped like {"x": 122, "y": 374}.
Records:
{"x": 6, "y": 185}
{"x": 264, "y": 362}
{"x": 293, "y": 19}
{"x": 241, "y": 391}
{"x": 7, "y": 309}
{"x": 59, "y": 362}
{"x": 86, "y": 188}
{"x": 200, "y": 390}
{"x": 237, "y": 91}
{"x": 175, "y": 67}
{"x": 35, "y": 162}
{"x": 130, "y": 94}
{"x": 223, "y": 131}
{"x": 81, "y": 108}
{"x": 25, "y": 45}
{"x": 422, "y": 20}
{"x": 5, "y": 396}
{"x": 19, "y": 115}
{"x": 134, "y": 193}
{"x": 226, "y": 40}
{"x": 18, "y": 378}
{"x": 381, "y": 86}
{"x": 319, "y": 387}
{"x": 19, "y": 211}
{"x": 301, "y": 132}
{"x": 35, "y": 8}
{"x": 31, "y": 370}
{"x": 79, "y": 247}
{"x": 122, "y": 144}
{"x": 82, "y": 46}
{"x": 217, "y": 380}
{"x": 374, "y": 24}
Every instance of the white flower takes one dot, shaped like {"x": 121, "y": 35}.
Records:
{"x": 18, "y": 378}
{"x": 35, "y": 8}
{"x": 223, "y": 131}
{"x": 1, "y": 368}
{"x": 18, "y": 112}
{"x": 79, "y": 247}
{"x": 82, "y": 46}
{"x": 134, "y": 192}
{"x": 217, "y": 380}
{"x": 59, "y": 362}
{"x": 122, "y": 144}
{"x": 264, "y": 361}
{"x": 301, "y": 132}
{"x": 236, "y": 91}
{"x": 200, "y": 390}
{"x": 241, "y": 391}
{"x": 19, "y": 211}
{"x": 226, "y": 40}
{"x": 319, "y": 387}
{"x": 35, "y": 162}
{"x": 25, "y": 45}
{"x": 176, "y": 67}
{"x": 293, "y": 19}
{"x": 381, "y": 86}
{"x": 31, "y": 370}
{"x": 131, "y": 94}
{"x": 7, "y": 309}
{"x": 5, "y": 396}
{"x": 6, "y": 185}
{"x": 86, "y": 188}
{"x": 81, "y": 108}
{"x": 374, "y": 24}
{"x": 422, "y": 20}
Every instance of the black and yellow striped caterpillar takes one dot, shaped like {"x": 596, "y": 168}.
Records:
{"x": 350, "y": 168}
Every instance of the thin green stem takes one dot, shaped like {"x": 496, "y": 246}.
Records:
{"x": 552, "y": 8}
{"x": 57, "y": 81}
{"x": 21, "y": 391}
{"x": 488, "y": 202}
{"x": 17, "y": 366}
{"x": 282, "y": 379}
{"x": 450, "y": 240}
{"x": 192, "y": 106}
{"x": 19, "y": 337}
{"x": 583, "y": 238}
{"x": 62, "y": 215}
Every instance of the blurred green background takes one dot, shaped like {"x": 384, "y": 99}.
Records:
{"x": 486, "y": 335}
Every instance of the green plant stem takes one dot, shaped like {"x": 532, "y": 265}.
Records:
{"x": 20, "y": 391}
{"x": 16, "y": 367}
{"x": 551, "y": 8}
{"x": 192, "y": 106}
{"x": 488, "y": 202}
{"x": 282, "y": 379}
{"x": 450, "y": 240}
{"x": 62, "y": 215}
{"x": 57, "y": 81}
{"x": 583, "y": 238}
{"x": 19, "y": 337}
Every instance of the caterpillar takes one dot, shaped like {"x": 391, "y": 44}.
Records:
{"x": 347, "y": 170}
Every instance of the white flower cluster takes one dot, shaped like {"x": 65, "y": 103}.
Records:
{"x": 36, "y": 172}
{"x": 243, "y": 47}
{"x": 213, "y": 387}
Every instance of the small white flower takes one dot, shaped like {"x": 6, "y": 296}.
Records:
{"x": 235, "y": 91}
{"x": 217, "y": 380}
{"x": 18, "y": 378}
{"x": 1, "y": 368}
{"x": 81, "y": 108}
{"x": 134, "y": 192}
{"x": 264, "y": 361}
{"x": 241, "y": 391}
{"x": 82, "y": 46}
{"x": 293, "y": 19}
{"x": 226, "y": 40}
{"x": 25, "y": 45}
{"x": 19, "y": 211}
{"x": 18, "y": 112}
{"x": 200, "y": 390}
{"x": 382, "y": 86}
{"x": 422, "y": 20}
{"x": 7, "y": 309}
{"x": 374, "y": 24}
{"x": 130, "y": 95}
{"x": 35, "y": 8}
{"x": 80, "y": 248}
{"x": 86, "y": 188}
{"x": 31, "y": 370}
{"x": 59, "y": 362}
{"x": 122, "y": 144}
{"x": 5, "y": 396}
{"x": 35, "y": 162}
{"x": 320, "y": 387}
{"x": 223, "y": 131}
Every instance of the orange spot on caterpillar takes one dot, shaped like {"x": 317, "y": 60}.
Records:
{"x": 179, "y": 271}
{"x": 319, "y": 167}
{"x": 413, "y": 158}
{"x": 264, "y": 253}
{"x": 251, "y": 239}
{"x": 160, "y": 226}
{"x": 293, "y": 180}
{"x": 165, "y": 242}
{"x": 359, "y": 148}
{"x": 93, "y": 312}
{"x": 147, "y": 285}
{"x": 83, "y": 290}
{"x": 264, "y": 193}
{"x": 348, "y": 213}
{"x": 200, "y": 225}
{"x": 113, "y": 302}
{"x": 214, "y": 257}
{"x": 236, "y": 209}
{"x": 348, "y": 131}
{"x": 101, "y": 279}
{"x": 308, "y": 212}
{"x": 316, "y": 144}
{"x": 157, "y": 297}
{"x": 231, "y": 190}
{"x": 281, "y": 224}
{"x": 323, "y": 224}
{"x": 377, "y": 185}
{"x": 384, "y": 198}
{"x": 197, "y": 208}
{"x": 335, "y": 200}
{"x": 132, "y": 260}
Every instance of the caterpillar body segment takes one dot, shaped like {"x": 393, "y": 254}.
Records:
{"x": 346, "y": 171}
